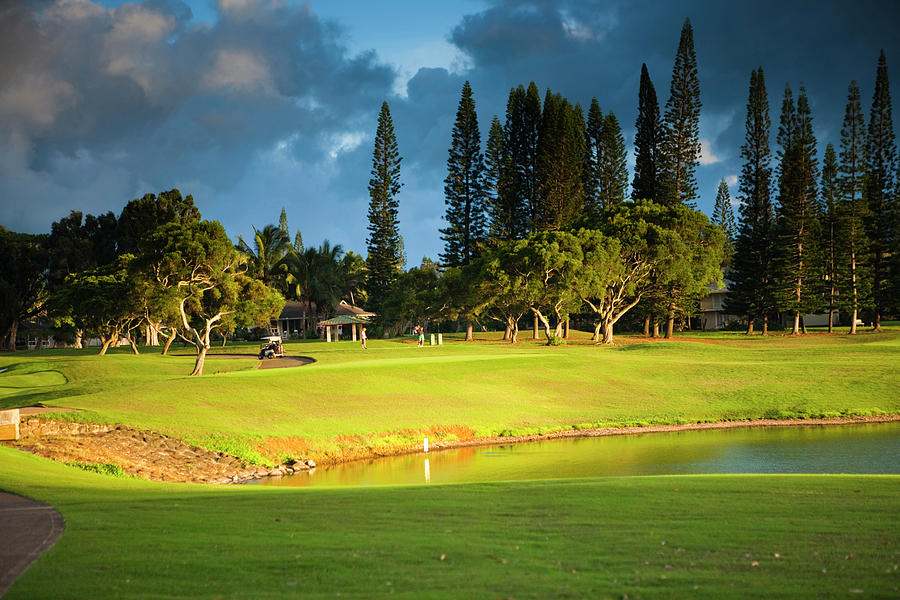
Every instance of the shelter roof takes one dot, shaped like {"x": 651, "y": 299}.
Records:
{"x": 342, "y": 320}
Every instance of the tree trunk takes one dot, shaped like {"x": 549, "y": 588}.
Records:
{"x": 513, "y": 328}
{"x": 831, "y": 320}
{"x": 877, "y": 323}
{"x": 596, "y": 337}
{"x": 655, "y": 332}
{"x": 803, "y": 325}
{"x": 535, "y": 335}
{"x": 750, "y": 325}
{"x": 134, "y": 348}
{"x": 647, "y": 326}
{"x": 560, "y": 326}
{"x": 13, "y": 332}
{"x": 765, "y": 330}
{"x": 201, "y": 359}
{"x": 469, "y": 336}
{"x": 169, "y": 341}
{"x": 506, "y": 334}
{"x": 670, "y": 322}
{"x": 796, "y": 328}
{"x": 855, "y": 293}
{"x": 566, "y": 335}
{"x": 106, "y": 343}
{"x": 225, "y": 339}
{"x": 608, "y": 332}
{"x": 79, "y": 336}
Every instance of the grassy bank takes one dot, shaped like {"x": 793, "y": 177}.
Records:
{"x": 390, "y": 394}
{"x": 703, "y": 536}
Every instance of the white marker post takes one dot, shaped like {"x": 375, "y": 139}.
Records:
{"x": 425, "y": 445}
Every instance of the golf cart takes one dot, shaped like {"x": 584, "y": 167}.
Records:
{"x": 271, "y": 347}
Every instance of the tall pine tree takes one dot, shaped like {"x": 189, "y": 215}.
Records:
{"x": 881, "y": 153}
{"x": 592, "y": 156}
{"x": 829, "y": 191}
{"x": 797, "y": 261}
{"x": 723, "y": 216}
{"x": 383, "y": 243}
{"x": 681, "y": 126}
{"x": 752, "y": 291}
{"x": 504, "y": 215}
{"x": 560, "y": 163}
{"x": 646, "y": 142}
{"x": 464, "y": 187}
{"x": 855, "y": 280}
{"x": 612, "y": 173}
{"x": 523, "y": 119}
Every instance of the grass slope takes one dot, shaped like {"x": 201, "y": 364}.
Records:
{"x": 660, "y": 537}
{"x": 491, "y": 388}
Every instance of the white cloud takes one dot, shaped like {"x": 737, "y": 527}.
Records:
{"x": 133, "y": 45}
{"x": 706, "y": 154}
{"x": 239, "y": 70}
{"x": 345, "y": 142}
{"x": 731, "y": 180}
{"x": 74, "y": 10}
{"x": 37, "y": 98}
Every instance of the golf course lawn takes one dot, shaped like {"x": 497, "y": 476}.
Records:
{"x": 394, "y": 392}
{"x": 712, "y": 536}
{"x": 686, "y": 536}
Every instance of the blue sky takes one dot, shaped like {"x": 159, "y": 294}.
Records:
{"x": 255, "y": 105}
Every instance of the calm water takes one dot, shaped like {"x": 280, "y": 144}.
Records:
{"x": 871, "y": 448}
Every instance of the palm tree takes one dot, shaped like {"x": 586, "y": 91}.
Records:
{"x": 353, "y": 268}
{"x": 318, "y": 277}
{"x": 271, "y": 246}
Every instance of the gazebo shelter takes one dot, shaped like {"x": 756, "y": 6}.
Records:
{"x": 339, "y": 320}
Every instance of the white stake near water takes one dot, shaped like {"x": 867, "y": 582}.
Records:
{"x": 425, "y": 445}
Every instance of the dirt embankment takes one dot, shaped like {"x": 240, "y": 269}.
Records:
{"x": 139, "y": 453}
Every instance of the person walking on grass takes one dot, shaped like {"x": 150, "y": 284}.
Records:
{"x": 362, "y": 337}
{"x": 421, "y": 331}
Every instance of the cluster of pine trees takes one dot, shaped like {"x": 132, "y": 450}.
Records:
{"x": 809, "y": 238}
{"x": 548, "y": 164}
{"x": 814, "y": 239}
{"x": 543, "y": 167}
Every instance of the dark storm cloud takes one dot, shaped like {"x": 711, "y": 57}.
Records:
{"x": 585, "y": 49}
{"x": 98, "y": 105}
{"x": 265, "y": 108}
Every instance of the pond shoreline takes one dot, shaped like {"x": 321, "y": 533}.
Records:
{"x": 642, "y": 429}
{"x": 175, "y": 461}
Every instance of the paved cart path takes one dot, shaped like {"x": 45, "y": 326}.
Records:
{"x": 28, "y": 529}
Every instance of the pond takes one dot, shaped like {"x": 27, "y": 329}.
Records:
{"x": 865, "y": 448}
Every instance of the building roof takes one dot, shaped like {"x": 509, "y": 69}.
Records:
{"x": 342, "y": 320}
{"x": 296, "y": 310}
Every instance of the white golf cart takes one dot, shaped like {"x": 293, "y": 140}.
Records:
{"x": 271, "y": 347}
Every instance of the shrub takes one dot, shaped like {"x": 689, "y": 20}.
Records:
{"x": 111, "y": 469}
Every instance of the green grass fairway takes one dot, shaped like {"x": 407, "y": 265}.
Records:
{"x": 659, "y": 537}
{"x": 640, "y": 537}
{"x": 488, "y": 388}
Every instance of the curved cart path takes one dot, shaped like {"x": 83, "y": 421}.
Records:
{"x": 28, "y": 529}
{"x": 266, "y": 363}
{"x": 285, "y": 361}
